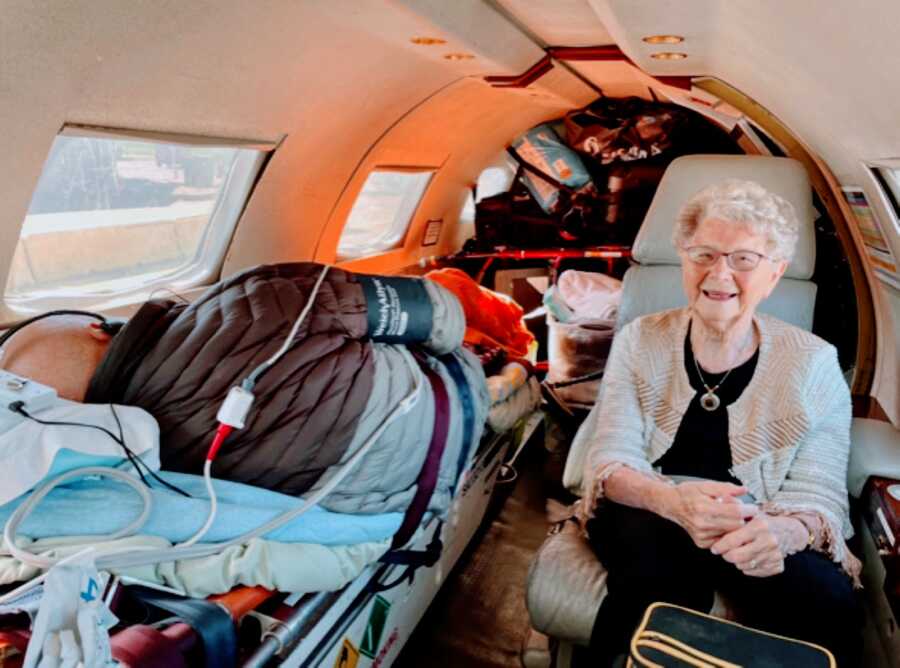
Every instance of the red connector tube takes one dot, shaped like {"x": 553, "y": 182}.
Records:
{"x": 221, "y": 434}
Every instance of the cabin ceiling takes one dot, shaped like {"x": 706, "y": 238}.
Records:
{"x": 827, "y": 69}
{"x": 336, "y": 78}
{"x": 559, "y": 22}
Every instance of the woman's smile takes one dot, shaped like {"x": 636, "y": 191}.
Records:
{"x": 718, "y": 295}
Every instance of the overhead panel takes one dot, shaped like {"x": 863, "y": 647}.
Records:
{"x": 473, "y": 29}
{"x": 617, "y": 79}
{"x": 630, "y": 21}
{"x": 559, "y": 22}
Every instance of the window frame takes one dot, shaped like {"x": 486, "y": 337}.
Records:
{"x": 432, "y": 171}
{"x": 214, "y": 242}
{"x": 889, "y": 197}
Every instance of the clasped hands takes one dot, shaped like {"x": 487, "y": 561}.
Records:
{"x": 742, "y": 534}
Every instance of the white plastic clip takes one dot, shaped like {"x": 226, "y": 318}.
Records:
{"x": 234, "y": 409}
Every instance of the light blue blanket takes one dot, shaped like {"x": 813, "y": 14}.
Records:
{"x": 100, "y": 506}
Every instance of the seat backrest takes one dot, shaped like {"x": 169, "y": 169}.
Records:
{"x": 654, "y": 283}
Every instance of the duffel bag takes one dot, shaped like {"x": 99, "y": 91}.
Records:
{"x": 674, "y": 637}
{"x": 623, "y": 130}
{"x": 511, "y": 220}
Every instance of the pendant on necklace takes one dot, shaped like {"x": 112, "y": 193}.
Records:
{"x": 709, "y": 401}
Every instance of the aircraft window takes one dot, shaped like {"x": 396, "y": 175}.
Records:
{"x": 492, "y": 181}
{"x": 467, "y": 215}
{"x": 495, "y": 180}
{"x": 382, "y": 212}
{"x": 889, "y": 180}
{"x": 114, "y": 214}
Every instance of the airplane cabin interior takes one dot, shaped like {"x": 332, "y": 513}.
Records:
{"x": 334, "y": 330}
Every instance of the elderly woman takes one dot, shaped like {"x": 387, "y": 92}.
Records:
{"x": 754, "y": 408}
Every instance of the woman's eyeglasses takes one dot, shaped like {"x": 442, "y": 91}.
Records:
{"x": 739, "y": 260}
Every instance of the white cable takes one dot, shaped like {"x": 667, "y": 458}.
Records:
{"x": 207, "y": 466}
{"x": 213, "y": 506}
{"x": 290, "y": 337}
{"x": 126, "y": 557}
{"x": 195, "y": 551}
{"x": 23, "y": 511}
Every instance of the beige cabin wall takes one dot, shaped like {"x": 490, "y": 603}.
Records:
{"x": 329, "y": 77}
{"x": 886, "y": 387}
{"x": 342, "y": 87}
{"x": 460, "y": 130}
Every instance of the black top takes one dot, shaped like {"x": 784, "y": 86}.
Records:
{"x": 701, "y": 445}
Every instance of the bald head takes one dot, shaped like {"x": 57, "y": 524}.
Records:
{"x": 61, "y": 351}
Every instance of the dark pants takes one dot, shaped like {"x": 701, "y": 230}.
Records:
{"x": 651, "y": 559}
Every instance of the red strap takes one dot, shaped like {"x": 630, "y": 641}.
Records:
{"x": 428, "y": 476}
{"x": 141, "y": 646}
{"x": 16, "y": 638}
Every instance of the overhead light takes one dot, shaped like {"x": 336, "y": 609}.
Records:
{"x": 664, "y": 39}
{"x": 458, "y": 56}
{"x": 428, "y": 41}
{"x": 668, "y": 55}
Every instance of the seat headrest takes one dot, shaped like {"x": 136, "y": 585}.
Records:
{"x": 687, "y": 175}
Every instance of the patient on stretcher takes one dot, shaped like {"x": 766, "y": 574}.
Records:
{"x": 334, "y": 388}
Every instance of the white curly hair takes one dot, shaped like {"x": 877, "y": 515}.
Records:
{"x": 743, "y": 203}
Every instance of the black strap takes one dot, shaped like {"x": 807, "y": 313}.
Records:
{"x": 412, "y": 559}
{"x": 527, "y": 166}
{"x": 211, "y": 622}
{"x": 586, "y": 378}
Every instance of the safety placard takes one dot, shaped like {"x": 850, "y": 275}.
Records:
{"x": 348, "y": 656}
{"x": 375, "y": 628}
{"x": 432, "y": 232}
{"x": 877, "y": 247}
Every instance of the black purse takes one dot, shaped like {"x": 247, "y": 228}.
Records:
{"x": 674, "y": 637}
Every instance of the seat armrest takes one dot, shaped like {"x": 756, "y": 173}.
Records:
{"x": 574, "y": 472}
{"x": 874, "y": 450}
{"x": 566, "y": 585}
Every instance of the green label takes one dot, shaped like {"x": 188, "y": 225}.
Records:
{"x": 375, "y": 628}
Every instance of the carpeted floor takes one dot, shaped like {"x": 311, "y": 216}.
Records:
{"x": 479, "y": 618}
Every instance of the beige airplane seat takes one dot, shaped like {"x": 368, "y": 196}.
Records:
{"x": 566, "y": 583}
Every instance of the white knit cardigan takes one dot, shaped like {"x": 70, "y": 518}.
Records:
{"x": 789, "y": 430}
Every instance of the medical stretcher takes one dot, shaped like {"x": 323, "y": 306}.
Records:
{"x": 366, "y": 623}
{"x": 359, "y": 626}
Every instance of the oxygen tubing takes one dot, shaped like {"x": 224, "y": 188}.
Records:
{"x": 131, "y": 557}
{"x": 24, "y": 510}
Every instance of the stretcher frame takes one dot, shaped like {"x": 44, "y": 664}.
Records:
{"x": 356, "y": 628}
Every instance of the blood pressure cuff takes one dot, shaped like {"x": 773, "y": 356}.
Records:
{"x": 399, "y": 309}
